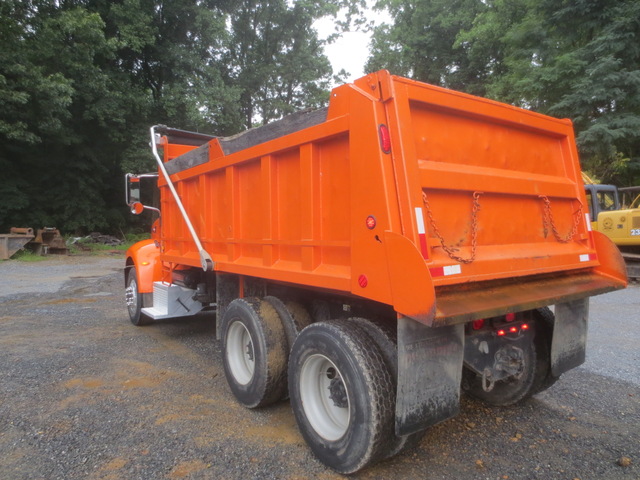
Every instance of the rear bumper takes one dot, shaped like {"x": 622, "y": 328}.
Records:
{"x": 462, "y": 304}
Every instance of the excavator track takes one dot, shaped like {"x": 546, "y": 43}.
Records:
{"x": 632, "y": 261}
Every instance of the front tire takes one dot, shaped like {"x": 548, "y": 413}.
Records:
{"x": 133, "y": 299}
{"x": 341, "y": 395}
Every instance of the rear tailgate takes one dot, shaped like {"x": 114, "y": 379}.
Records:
{"x": 497, "y": 202}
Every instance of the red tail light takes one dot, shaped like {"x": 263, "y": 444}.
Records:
{"x": 477, "y": 324}
{"x": 385, "y": 138}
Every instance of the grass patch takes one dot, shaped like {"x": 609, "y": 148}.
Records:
{"x": 84, "y": 246}
{"x": 26, "y": 255}
{"x": 88, "y": 246}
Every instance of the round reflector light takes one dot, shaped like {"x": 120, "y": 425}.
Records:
{"x": 371, "y": 222}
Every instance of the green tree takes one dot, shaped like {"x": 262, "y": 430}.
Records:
{"x": 422, "y": 42}
{"x": 275, "y": 59}
{"x": 81, "y": 81}
{"x": 578, "y": 60}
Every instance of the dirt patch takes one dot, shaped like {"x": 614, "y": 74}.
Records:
{"x": 86, "y": 395}
{"x": 188, "y": 469}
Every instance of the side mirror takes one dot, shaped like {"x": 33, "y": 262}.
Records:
{"x": 133, "y": 192}
{"x": 136, "y": 208}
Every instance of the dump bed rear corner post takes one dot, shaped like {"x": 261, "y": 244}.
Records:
{"x": 429, "y": 374}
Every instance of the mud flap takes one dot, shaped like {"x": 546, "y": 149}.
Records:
{"x": 569, "y": 342}
{"x": 429, "y": 374}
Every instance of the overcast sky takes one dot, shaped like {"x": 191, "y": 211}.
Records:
{"x": 351, "y": 50}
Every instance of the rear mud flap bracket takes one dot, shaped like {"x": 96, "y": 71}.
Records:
{"x": 569, "y": 342}
{"x": 429, "y": 374}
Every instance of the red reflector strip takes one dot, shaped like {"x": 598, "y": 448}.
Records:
{"x": 588, "y": 257}
{"x": 445, "y": 271}
{"x": 422, "y": 233}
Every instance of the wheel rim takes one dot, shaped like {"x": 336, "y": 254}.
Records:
{"x": 131, "y": 296}
{"x": 240, "y": 353}
{"x": 324, "y": 397}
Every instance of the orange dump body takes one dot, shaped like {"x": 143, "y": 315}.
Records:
{"x": 362, "y": 201}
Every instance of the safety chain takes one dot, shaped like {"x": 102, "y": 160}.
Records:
{"x": 547, "y": 221}
{"x": 451, "y": 251}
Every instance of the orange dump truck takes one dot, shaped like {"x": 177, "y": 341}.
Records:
{"x": 373, "y": 259}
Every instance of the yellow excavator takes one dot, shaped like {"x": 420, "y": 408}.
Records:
{"x": 616, "y": 213}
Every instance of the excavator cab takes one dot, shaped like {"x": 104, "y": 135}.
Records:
{"x": 601, "y": 198}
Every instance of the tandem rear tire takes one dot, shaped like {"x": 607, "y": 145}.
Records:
{"x": 254, "y": 352}
{"x": 386, "y": 337}
{"x": 545, "y": 320}
{"x": 341, "y": 395}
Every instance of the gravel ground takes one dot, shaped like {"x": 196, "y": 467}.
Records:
{"x": 86, "y": 395}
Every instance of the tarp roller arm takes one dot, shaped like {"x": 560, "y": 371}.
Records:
{"x": 183, "y": 137}
{"x": 205, "y": 259}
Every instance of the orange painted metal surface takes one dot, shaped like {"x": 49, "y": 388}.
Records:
{"x": 145, "y": 256}
{"x": 472, "y": 194}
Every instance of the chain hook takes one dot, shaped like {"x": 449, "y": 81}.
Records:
{"x": 549, "y": 222}
{"x": 450, "y": 250}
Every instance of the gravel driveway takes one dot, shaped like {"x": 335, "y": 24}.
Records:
{"x": 86, "y": 395}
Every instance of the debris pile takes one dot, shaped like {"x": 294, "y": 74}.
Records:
{"x": 96, "y": 237}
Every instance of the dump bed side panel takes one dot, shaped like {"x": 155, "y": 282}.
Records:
{"x": 278, "y": 210}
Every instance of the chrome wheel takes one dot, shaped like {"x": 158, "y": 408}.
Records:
{"x": 131, "y": 296}
{"x": 240, "y": 353}
{"x": 133, "y": 299}
{"x": 324, "y": 397}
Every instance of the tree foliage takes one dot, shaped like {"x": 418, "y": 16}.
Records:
{"x": 81, "y": 81}
{"x": 420, "y": 42}
{"x": 578, "y": 59}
